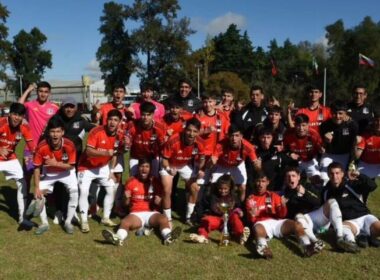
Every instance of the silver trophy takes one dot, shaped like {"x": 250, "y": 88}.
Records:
{"x": 225, "y": 207}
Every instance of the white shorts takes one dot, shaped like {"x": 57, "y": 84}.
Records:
{"x": 272, "y": 227}
{"x": 311, "y": 167}
{"x": 101, "y": 174}
{"x": 329, "y": 158}
{"x": 133, "y": 166}
{"x": 12, "y": 169}
{"x": 363, "y": 223}
{"x": 119, "y": 167}
{"x": 68, "y": 178}
{"x": 144, "y": 217}
{"x": 317, "y": 219}
{"x": 371, "y": 170}
{"x": 238, "y": 173}
{"x": 186, "y": 172}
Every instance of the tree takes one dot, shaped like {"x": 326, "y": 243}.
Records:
{"x": 220, "y": 80}
{"x": 161, "y": 41}
{"x": 4, "y": 43}
{"x": 28, "y": 58}
{"x": 116, "y": 51}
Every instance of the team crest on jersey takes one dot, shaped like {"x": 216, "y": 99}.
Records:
{"x": 365, "y": 110}
{"x": 4, "y": 134}
{"x": 18, "y": 136}
{"x": 345, "y": 131}
{"x": 190, "y": 103}
{"x": 103, "y": 141}
{"x": 65, "y": 157}
{"x": 50, "y": 111}
{"x": 76, "y": 125}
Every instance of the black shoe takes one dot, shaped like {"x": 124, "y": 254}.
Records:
{"x": 374, "y": 242}
{"x": 362, "y": 240}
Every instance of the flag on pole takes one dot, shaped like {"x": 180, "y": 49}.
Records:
{"x": 274, "y": 66}
{"x": 366, "y": 61}
{"x": 315, "y": 66}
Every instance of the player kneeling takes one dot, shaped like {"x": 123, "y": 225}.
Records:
{"x": 143, "y": 195}
{"x": 266, "y": 211}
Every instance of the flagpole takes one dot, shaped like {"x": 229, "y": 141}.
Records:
{"x": 324, "y": 85}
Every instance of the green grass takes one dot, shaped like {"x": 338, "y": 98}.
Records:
{"x": 56, "y": 255}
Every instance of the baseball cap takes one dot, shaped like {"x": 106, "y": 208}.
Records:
{"x": 69, "y": 100}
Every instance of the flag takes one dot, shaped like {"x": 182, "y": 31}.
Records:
{"x": 274, "y": 66}
{"x": 364, "y": 60}
{"x": 315, "y": 66}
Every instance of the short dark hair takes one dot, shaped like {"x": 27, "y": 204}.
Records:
{"x": 43, "y": 84}
{"x": 186, "y": 81}
{"x": 265, "y": 131}
{"x": 339, "y": 105}
{"x": 146, "y": 86}
{"x": 334, "y": 165}
{"x": 17, "y": 108}
{"x": 256, "y": 87}
{"x": 114, "y": 113}
{"x": 301, "y": 118}
{"x": 147, "y": 107}
{"x": 355, "y": 87}
{"x": 229, "y": 90}
{"x": 116, "y": 86}
{"x": 292, "y": 169}
{"x": 208, "y": 95}
{"x": 173, "y": 102}
{"x": 313, "y": 86}
{"x": 275, "y": 109}
{"x": 55, "y": 122}
{"x": 260, "y": 175}
{"x": 233, "y": 129}
{"x": 145, "y": 160}
{"x": 194, "y": 122}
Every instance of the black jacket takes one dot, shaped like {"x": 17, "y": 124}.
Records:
{"x": 191, "y": 103}
{"x": 361, "y": 114}
{"x": 351, "y": 204}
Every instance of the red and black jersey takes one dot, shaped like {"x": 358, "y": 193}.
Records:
{"x": 306, "y": 147}
{"x": 178, "y": 154}
{"x": 370, "y": 144}
{"x": 10, "y": 137}
{"x": 316, "y": 116}
{"x": 229, "y": 157}
{"x": 176, "y": 125}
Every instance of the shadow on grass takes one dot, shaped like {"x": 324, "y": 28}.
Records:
{"x": 10, "y": 200}
{"x": 292, "y": 245}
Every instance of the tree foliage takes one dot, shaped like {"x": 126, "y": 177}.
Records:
{"x": 222, "y": 80}
{"x": 28, "y": 58}
{"x": 115, "y": 53}
{"x": 4, "y": 43}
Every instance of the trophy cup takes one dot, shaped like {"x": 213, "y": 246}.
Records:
{"x": 225, "y": 238}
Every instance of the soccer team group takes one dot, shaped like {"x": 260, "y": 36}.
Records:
{"x": 280, "y": 171}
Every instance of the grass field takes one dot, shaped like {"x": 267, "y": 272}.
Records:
{"x": 56, "y": 255}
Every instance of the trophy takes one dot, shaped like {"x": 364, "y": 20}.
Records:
{"x": 225, "y": 238}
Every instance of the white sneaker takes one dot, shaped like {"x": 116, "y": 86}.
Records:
{"x": 245, "y": 235}
{"x": 112, "y": 238}
{"x": 173, "y": 236}
{"x": 108, "y": 222}
{"x": 85, "y": 227}
{"x": 69, "y": 228}
{"x": 197, "y": 238}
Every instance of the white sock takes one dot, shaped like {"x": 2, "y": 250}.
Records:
{"x": 347, "y": 234}
{"x": 165, "y": 232}
{"x": 83, "y": 200}
{"x": 122, "y": 233}
{"x": 21, "y": 198}
{"x": 43, "y": 216}
{"x": 307, "y": 227}
{"x": 261, "y": 242}
{"x": 168, "y": 213}
{"x": 190, "y": 209}
{"x": 336, "y": 217}
{"x": 108, "y": 201}
{"x": 304, "y": 240}
{"x": 72, "y": 206}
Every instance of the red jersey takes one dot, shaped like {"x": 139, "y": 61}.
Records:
{"x": 218, "y": 122}
{"x": 306, "y": 147}
{"x": 98, "y": 139}
{"x": 9, "y": 137}
{"x": 105, "y": 108}
{"x": 180, "y": 154}
{"x": 266, "y": 206}
{"x": 176, "y": 125}
{"x": 66, "y": 154}
{"x": 370, "y": 144}
{"x": 145, "y": 142}
{"x": 229, "y": 157}
{"x": 316, "y": 116}
{"x": 142, "y": 194}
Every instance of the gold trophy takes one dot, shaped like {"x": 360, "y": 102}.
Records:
{"x": 225, "y": 238}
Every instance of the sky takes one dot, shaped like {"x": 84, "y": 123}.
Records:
{"x": 71, "y": 26}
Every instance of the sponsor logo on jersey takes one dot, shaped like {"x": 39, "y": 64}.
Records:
{"x": 345, "y": 131}
{"x": 50, "y": 111}
{"x": 365, "y": 110}
{"x": 190, "y": 103}
{"x": 76, "y": 125}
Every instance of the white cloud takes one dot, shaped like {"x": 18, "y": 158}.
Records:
{"x": 92, "y": 69}
{"x": 323, "y": 41}
{"x": 221, "y": 23}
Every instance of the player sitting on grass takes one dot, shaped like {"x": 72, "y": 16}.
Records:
{"x": 221, "y": 192}
{"x": 143, "y": 196}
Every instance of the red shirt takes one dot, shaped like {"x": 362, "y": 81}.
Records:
{"x": 145, "y": 142}
{"x": 66, "y": 154}
{"x": 179, "y": 154}
{"x": 267, "y": 206}
{"x": 98, "y": 139}
{"x": 176, "y": 125}
{"x": 219, "y": 122}
{"x": 316, "y": 116}
{"x": 370, "y": 144}
{"x": 229, "y": 158}
{"x": 9, "y": 137}
{"x": 306, "y": 147}
{"x": 142, "y": 194}
{"x": 104, "y": 110}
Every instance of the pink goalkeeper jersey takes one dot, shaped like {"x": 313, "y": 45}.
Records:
{"x": 158, "y": 113}
{"x": 38, "y": 116}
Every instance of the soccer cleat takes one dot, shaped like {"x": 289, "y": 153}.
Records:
{"x": 197, "y": 238}
{"x": 374, "y": 242}
{"x": 112, "y": 238}
{"x": 319, "y": 245}
{"x": 58, "y": 218}
{"x": 25, "y": 224}
{"x": 362, "y": 240}
{"x": 245, "y": 235}
{"x": 85, "y": 227}
{"x": 265, "y": 252}
{"x": 347, "y": 246}
{"x": 42, "y": 229}
{"x": 309, "y": 250}
{"x": 173, "y": 236}
{"x": 69, "y": 228}
{"x": 108, "y": 222}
